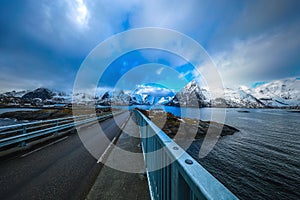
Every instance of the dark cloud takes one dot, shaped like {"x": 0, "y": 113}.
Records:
{"x": 43, "y": 42}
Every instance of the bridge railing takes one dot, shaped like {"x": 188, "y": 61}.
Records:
{"x": 19, "y": 134}
{"x": 171, "y": 172}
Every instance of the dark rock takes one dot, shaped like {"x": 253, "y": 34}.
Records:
{"x": 243, "y": 111}
{"x": 41, "y": 93}
{"x": 294, "y": 111}
{"x": 37, "y": 115}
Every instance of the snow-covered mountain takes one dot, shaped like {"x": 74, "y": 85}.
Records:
{"x": 38, "y": 95}
{"x": 279, "y": 93}
{"x": 237, "y": 98}
{"x": 191, "y": 96}
{"x": 119, "y": 97}
{"x": 82, "y": 98}
{"x": 143, "y": 95}
{"x": 14, "y": 93}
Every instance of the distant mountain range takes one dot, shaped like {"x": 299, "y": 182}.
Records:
{"x": 280, "y": 93}
{"x": 37, "y": 97}
{"x": 143, "y": 95}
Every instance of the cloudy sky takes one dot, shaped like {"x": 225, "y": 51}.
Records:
{"x": 43, "y": 43}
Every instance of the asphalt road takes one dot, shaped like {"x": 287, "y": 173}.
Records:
{"x": 62, "y": 169}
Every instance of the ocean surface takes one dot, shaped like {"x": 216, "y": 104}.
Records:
{"x": 7, "y": 121}
{"x": 262, "y": 160}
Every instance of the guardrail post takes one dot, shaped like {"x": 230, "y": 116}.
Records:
{"x": 24, "y": 130}
{"x": 23, "y": 143}
{"x": 56, "y": 125}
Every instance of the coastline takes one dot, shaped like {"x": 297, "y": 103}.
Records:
{"x": 185, "y": 127}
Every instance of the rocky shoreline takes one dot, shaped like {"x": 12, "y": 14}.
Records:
{"x": 45, "y": 114}
{"x": 172, "y": 125}
{"x": 37, "y": 114}
{"x": 175, "y": 126}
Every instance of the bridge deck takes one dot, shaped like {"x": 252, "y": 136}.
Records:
{"x": 115, "y": 184}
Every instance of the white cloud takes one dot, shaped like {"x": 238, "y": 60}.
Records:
{"x": 82, "y": 13}
{"x": 182, "y": 75}
{"x": 169, "y": 14}
{"x": 159, "y": 71}
{"x": 78, "y": 13}
{"x": 259, "y": 58}
{"x": 153, "y": 91}
{"x": 207, "y": 76}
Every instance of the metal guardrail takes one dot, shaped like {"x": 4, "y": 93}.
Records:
{"x": 20, "y": 133}
{"x": 171, "y": 172}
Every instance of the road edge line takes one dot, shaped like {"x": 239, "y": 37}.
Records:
{"x": 108, "y": 150}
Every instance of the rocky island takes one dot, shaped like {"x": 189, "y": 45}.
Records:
{"x": 43, "y": 114}
{"x": 175, "y": 126}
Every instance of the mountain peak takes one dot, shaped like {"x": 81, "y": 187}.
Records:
{"x": 191, "y": 95}
{"x": 41, "y": 93}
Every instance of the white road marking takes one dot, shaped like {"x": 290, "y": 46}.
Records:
{"x": 107, "y": 150}
{"x": 61, "y": 139}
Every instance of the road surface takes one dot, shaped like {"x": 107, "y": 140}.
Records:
{"x": 62, "y": 169}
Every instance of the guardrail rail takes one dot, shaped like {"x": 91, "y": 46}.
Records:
{"x": 19, "y": 134}
{"x": 171, "y": 172}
